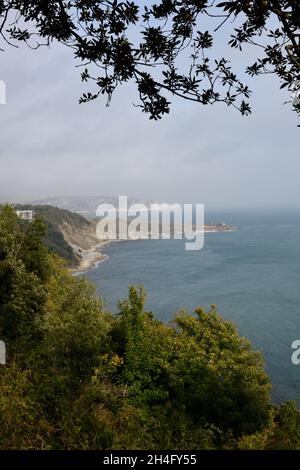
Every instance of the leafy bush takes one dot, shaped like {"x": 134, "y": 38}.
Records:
{"x": 78, "y": 377}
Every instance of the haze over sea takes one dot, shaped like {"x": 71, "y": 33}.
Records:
{"x": 251, "y": 274}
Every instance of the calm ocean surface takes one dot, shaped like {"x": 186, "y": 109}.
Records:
{"x": 251, "y": 274}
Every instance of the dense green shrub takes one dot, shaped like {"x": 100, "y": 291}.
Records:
{"x": 78, "y": 377}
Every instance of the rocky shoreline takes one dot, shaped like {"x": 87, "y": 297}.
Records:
{"x": 89, "y": 259}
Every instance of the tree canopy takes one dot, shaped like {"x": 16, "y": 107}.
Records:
{"x": 78, "y": 377}
{"x": 166, "y": 48}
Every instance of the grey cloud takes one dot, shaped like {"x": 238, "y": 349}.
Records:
{"x": 51, "y": 145}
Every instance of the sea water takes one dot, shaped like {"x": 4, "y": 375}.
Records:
{"x": 252, "y": 274}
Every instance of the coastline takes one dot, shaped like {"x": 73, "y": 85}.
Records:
{"x": 92, "y": 257}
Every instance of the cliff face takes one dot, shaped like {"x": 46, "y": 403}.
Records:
{"x": 83, "y": 237}
{"x": 68, "y": 234}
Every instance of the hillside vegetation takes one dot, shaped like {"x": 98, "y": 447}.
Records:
{"x": 78, "y": 377}
{"x": 64, "y": 231}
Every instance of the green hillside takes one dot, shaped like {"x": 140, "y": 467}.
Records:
{"x": 54, "y": 218}
{"x": 80, "y": 378}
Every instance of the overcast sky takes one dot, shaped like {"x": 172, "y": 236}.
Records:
{"x": 52, "y": 146}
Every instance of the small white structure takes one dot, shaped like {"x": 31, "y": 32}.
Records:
{"x": 25, "y": 215}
